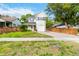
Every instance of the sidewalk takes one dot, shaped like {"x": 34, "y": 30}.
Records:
{"x": 25, "y": 39}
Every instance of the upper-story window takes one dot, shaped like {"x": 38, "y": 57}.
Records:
{"x": 31, "y": 20}
{"x": 38, "y": 18}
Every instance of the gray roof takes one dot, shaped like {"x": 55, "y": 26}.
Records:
{"x": 30, "y": 23}
{"x": 1, "y": 20}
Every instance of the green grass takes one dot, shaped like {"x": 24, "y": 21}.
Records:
{"x": 22, "y": 34}
{"x": 39, "y": 48}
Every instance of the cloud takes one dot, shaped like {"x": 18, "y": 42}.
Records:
{"x": 4, "y": 9}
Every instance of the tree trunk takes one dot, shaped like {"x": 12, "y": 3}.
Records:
{"x": 66, "y": 24}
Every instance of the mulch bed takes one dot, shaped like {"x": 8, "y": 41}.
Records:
{"x": 65, "y": 30}
{"x": 8, "y": 29}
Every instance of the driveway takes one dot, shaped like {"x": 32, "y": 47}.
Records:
{"x": 61, "y": 36}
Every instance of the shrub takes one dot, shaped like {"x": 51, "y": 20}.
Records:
{"x": 23, "y": 28}
{"x": 49, "y": 23}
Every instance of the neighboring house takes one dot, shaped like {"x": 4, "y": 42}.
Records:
{"x": 37, "y": 22}
{"x": 63, "y": 26}
{"x": 16, "y": 22}
{"x": 8, "y": 21}
{"x": 59, "y": 25}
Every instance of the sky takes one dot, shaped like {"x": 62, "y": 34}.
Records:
{"x": 18, "y": 9}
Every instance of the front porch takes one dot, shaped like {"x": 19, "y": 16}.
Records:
{"x": 31, "y": 26}
{"x": 4, "y": 23}
{"x": 6, "y": 26}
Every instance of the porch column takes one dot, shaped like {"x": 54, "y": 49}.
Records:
{"x": 5, "y": 24}
{"x": 32, "y": 27}
{"x": 11, "y": 24}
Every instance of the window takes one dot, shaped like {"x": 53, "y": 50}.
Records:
{"x": 31, "y": 20}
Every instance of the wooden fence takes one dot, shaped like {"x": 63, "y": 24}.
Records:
{"x": 65, "y": 30}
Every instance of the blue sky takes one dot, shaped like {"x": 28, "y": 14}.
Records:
{"x": 18, "y": 9}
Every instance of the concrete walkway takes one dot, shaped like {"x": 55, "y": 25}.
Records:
{"x": 25, "y": 39}
{"x": 56, "y": 36}
{"x": 62, "y": 36}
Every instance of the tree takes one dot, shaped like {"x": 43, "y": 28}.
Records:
{"x": 23, "y": 20}
{"x": 49, "y": 23}
{"x": 25, "y": 17}
{"x": 64, "y": 12}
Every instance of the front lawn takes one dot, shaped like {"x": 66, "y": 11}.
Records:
{"x": 39, "y": 48}
{"x": 22, "y": 35}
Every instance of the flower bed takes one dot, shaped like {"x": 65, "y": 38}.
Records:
{"x": 65, "y": 30}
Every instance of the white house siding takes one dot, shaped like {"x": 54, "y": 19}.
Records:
{"x": 40, "y": 20}
{"x": 41, "y": 25}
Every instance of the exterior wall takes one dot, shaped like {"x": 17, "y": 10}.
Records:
{"x": 41, "y": 25}
{"x": 40, "y": 20}
{"x": 32, "y": 19}
{"x": 16, "y": 23}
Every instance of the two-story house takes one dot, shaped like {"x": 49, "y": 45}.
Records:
{"x": 37, "y": 22}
